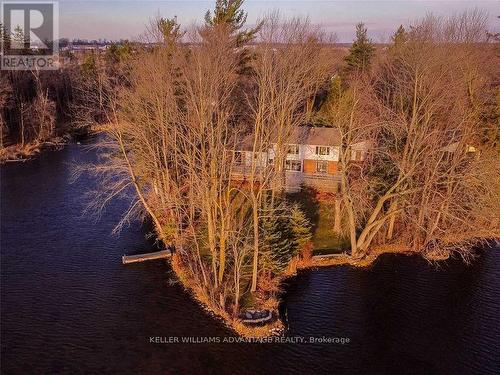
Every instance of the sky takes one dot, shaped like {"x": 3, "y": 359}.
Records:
{"x": 126, "y": 19}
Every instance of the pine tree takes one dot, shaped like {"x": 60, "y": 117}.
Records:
{"x": 118, "y": 53}
{"x": 300, "y": 227}
{"x": 277, "y": 245}
{"x": 491, "y": 126}
{"x": 4, "y": 39}
{"x": 19, "y": 40}
{"x": 361, "y": 51}
{"x": 358, "y": 60}
{"x": 169, "y": 29}
{"x": 89, "y": 65}
{"x": 400, "y": 36}
{"x": 229, "y": 13}
{"x": 399, "y": 39}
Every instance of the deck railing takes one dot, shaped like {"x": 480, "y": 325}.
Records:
{"x": 294, "y": 179}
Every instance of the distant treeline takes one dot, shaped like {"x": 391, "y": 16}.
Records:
{"x": 35, "y": 105}
{"x": 40, "y": 106}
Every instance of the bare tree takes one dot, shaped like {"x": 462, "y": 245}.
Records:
{"x": 289, "y": 68}
{"x": 424, "y": 149}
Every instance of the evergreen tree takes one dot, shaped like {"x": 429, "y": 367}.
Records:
{"x": 118, "y": 53}
{"x": 358, "y": 60}
{"x": 170, "y": 30}
{"x": 399, "y": 39}
{"x": 19, "y": 40}
{"x": 229, "y": 13}
{"x": 491, "y": 118}
{"x": 300, "y": 227}
{"x": 400, "y": 36}
{"x": 89, "y": 65}
{"x": 285, "y": 233}
{"x": 361, "y": 51}
{"x": 277, "y": 245}
{"x": 4, "y": 39}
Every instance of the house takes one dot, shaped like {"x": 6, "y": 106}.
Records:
{"x": 453, "y": 147}
{"x": 312, "y": 158}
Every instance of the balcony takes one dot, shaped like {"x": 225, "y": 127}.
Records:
{"x": 294, "y": 179}
{"x": 320, "y": 181}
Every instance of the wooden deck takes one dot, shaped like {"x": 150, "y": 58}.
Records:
{"x": 294, "y": 180}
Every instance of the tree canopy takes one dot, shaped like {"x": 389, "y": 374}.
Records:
{"x": 399, "y": 38}
{"x": 169, "y": 29}
{"x": 361, "y": 51}
{"x": 229, "y": 13}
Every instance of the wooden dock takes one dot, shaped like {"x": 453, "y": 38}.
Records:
{"x": 148, "y": 256}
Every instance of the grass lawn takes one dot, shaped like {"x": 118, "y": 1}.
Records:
{"x": 321, "y": 216}
{"x": 325, "y": 242}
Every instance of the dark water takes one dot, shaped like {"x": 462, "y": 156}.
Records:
{"x": 69, "y": 306}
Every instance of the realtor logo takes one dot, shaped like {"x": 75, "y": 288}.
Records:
{"x": 29, "y": 35}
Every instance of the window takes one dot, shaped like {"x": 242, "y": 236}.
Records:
{"x": 238, "y": 157}
{"x": 293, "y": 165}
{"x": 357, "y": 155}
{"x": 322, "y": 150}
{"x": 321, "y": 166}
{"x": 293, "y": 149}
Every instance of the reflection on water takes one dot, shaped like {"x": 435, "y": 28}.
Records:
{"x": 69, "y": 306}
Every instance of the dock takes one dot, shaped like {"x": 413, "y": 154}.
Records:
{"x": 126, "y": 259}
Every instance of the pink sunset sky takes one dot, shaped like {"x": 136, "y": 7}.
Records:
{"x": 126, "y": 19}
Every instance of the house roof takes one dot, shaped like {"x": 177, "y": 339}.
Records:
{"x": 303, "y": 135}
{"x": 310, "y": 135}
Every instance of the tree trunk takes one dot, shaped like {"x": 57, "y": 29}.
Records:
{"x": 255, "y": 243}
{"x": 392, "y": 219}
{"x": 352, "y": 229}
{"x": 138, "y": 190}
{"x": 222, "y": 251}
{"x": 22, "y": 125}
{"x": 337, "y": 217}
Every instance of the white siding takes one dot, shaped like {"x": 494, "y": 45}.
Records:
{"x": 309, "y": 152}
{"x": 247, "y": 157}
{"x": 360, "y": 146}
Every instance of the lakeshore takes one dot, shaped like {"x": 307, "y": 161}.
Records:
{"x": 18, "y": 153}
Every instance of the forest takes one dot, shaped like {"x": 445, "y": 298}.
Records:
{"x": 44, "y": 108}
